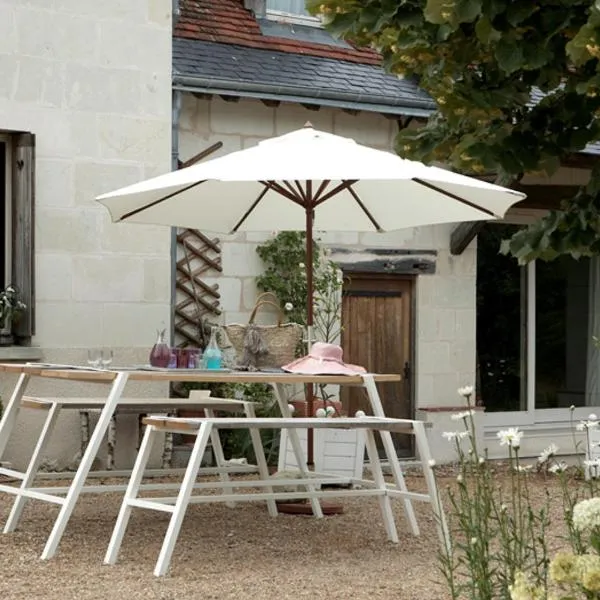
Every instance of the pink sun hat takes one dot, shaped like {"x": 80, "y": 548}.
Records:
{"x": 323, "y": 359}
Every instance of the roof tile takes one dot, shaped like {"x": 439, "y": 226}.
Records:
{"x": 228, "y": 22}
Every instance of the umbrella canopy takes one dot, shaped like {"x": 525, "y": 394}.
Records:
{"x": 329, "y": 181}
{"x": 345, "y": 186}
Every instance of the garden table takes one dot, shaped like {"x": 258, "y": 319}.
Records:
{"x": 116, "y": 381}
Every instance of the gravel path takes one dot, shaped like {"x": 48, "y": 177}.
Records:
{"x": 222, "y": 553}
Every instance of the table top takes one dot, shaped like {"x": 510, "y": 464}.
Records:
{"x": 190, "y": 375}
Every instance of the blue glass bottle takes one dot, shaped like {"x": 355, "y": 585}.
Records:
{"x": 212, "y": 354}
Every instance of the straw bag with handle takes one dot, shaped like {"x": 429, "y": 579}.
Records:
{"x": 265, "y": 346}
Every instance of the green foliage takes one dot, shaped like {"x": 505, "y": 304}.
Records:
{"x": 485, "y": 62}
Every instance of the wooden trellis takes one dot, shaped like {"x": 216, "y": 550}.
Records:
{"x": 197, "y": 256}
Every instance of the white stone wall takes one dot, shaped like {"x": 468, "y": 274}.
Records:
{"x": 92, "y": 80}
{"x": 445, "y": 303}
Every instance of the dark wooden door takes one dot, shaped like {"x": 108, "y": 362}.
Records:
{"x": 377, "y": 326}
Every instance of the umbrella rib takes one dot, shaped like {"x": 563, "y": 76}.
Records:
{"x": 276, "y": 187}
{"x": 147, "y": 206}
{"x": 300, "y": 190}
{"x": 364, "y": 208}
{"x": 457, "y": 198}
{"x": 253, "y": 206}
{"x": 336, "y": 190}
{"x": 321, "y": 189}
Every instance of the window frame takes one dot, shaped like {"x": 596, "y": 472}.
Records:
{"x": 292, "y": 18}
{"x": 530, "y": 416}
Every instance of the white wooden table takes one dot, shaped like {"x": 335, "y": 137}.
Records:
{"x": 116, "y": 382}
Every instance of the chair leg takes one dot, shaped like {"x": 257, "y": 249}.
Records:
{"x": 261, "y": 461}
{"x": 167, "y": 456}
{"x": 183, "y": 499}
{"x": 111, "y": 443}
{"x": 215, "y": 442}
{"x": 32, "y": 468}
{"x": 384, "y": 500}
{"x": 131, "y": 493}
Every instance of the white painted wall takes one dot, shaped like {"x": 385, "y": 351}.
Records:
{"x": 445, "y": 326}
{"x": 92, "y": 80}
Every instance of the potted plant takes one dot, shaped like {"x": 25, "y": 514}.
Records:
{"x": 10, "y": 310}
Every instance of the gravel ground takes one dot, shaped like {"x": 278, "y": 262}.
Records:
{"x": 225, "y": 553}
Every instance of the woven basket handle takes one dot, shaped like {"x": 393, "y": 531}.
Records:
{"x": 262, "y": 303}
{"x": 271, "y": 296}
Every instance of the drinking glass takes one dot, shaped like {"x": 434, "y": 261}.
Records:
{"x": 106, "y": 357}
{"x": 94, "y": 357}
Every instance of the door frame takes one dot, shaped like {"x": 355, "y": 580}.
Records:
{"x": 412, "y": 280}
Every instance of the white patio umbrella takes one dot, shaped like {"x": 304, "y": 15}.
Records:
{"x": 304, "y": 180}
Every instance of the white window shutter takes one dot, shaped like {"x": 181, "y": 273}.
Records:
{"x": 293, "y": 7}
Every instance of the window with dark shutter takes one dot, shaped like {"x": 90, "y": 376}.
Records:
{"x": 21, "y": 232}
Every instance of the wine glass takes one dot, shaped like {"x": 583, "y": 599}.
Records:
{"x": 106, "y": 357}
{"x": 94, "y": 357}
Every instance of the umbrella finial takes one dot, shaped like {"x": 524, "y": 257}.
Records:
{"x": 308, "y": 124}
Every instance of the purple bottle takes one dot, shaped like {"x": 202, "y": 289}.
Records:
{"x": 160, "y": 355}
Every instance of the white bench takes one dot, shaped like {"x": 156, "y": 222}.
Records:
{"x": 204, "y": 429}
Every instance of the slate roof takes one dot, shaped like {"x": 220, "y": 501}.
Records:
{"x": 222, "y": 67}
{"x": 228, "y": 22}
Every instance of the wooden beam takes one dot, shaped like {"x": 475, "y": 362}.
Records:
{"x": 462, "y": 235}
{"x": 545, "y": 197}
{"x": 271, "y": 103}
{"x": 310, "y": 106}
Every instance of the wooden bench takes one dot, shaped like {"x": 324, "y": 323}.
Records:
{"x": 203, "y": 429}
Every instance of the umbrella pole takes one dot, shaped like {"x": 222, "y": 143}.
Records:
{"x": 308, "y": 389}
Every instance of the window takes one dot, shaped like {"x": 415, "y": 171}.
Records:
{"x": 17, "y": 164}
{"x": 293, "y": 11}
{"x": 532, "y": 328}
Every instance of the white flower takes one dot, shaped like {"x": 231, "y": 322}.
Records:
{"x": 291, "y": 408}
{"x": 583, "y": 425}
{"x": 462, "y": 415}
{"x": 301, "y": 265}
{"x": 289, "y": 306}
{"x": 459, "y": 478}
{"x": 330, "y": 411}
{"x": 510, "y": 437}
{"x": 592, "y": 417}
{"x": 572, "y": 407}
{"x": 320, "y": 412}
{"x": 473, "y": 541}
{"x": 465, "y": 391}
{"x": 455, "y": 435}
{"x": 503, "y": 507}
{"x": 551, "y": 450}
{"x": 586, "y": 514}
{"x": 558, "y": 467}
{"x": 481, "y": 460}
{"x": 431, "y": 463}
{"x": 359, "y": 413}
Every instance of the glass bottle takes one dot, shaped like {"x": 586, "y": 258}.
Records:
{"x": 212, "y": 353}
{"x": 160, "y": 355}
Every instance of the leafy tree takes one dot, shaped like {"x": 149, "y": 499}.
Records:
{"x": 517, "y": 88}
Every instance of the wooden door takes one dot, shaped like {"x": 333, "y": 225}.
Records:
{"x": 377, "y": 327}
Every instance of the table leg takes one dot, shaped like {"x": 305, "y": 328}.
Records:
{"x": 183, "y": 498}
{"x": 297, "y": 447}
{"x": 85, "y": 465}
{"x": 11, "y": 411}
{"x": 261, "y": 461}
{"x": 131, "y": 493}
{"x": 32, "y": 468}
{"x": 390, "y": 451}
{"x": 217, "y": 448}
{"x": 436, "y": 504}
{"x": 384, "y": 500}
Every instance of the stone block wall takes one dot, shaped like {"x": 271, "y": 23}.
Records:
{"x": 92, "y": 80}
{"x": 445, "y": 301}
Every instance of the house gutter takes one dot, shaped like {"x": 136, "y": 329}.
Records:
{"x": 175, "y": 114}
{"x": 265, "y": 91}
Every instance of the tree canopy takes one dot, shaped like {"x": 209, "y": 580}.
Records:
{"x": 517, "y": 89}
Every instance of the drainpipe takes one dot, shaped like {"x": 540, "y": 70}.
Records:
{"x": 175, "y": 113}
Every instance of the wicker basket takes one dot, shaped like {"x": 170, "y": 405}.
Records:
{"x": 281, "y": 340}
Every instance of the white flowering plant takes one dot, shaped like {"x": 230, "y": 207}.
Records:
{"x": 11, "y": 307}
{"x": 498, "y": 546}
